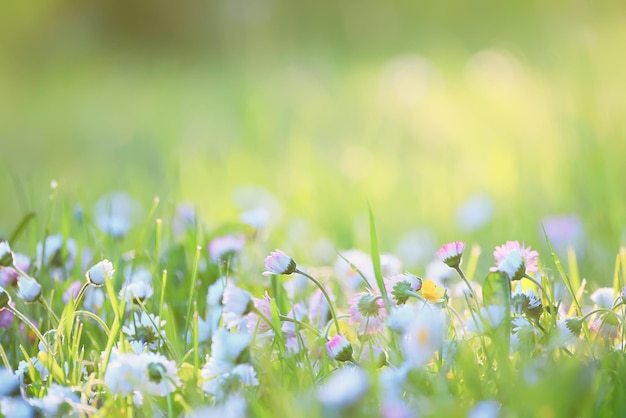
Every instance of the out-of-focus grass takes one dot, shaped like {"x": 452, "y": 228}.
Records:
{"x": 412, "y": 108}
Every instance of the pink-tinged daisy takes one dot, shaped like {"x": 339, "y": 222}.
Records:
{"x": 339, "y": 348}
{"x": 451, "y": 253}
{"x": 512, "y": 265}
{"x": 401, "y": 285}
{"x": 528, "y": 256}
{"x": 368, "y": 312}
{"x": 222, "y": 249}
{"x": 279, "y": 263}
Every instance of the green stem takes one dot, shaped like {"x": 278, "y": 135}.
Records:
{"x": 81, "y": 293}
{"x": 192, "y": 287}
{"x": 532, "y": 279}
{"x": 469, "y": 286}
{"x": 330, "y": 304}
{"x": 95, "y": 318}
{"x": 277, "y": 332}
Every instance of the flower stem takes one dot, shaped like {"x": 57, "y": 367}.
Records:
{"x": 532, "y": 279}
{"x": 330, "y": 304}
{"x": 474, "y": 297}
{"x": 81, "y": 293}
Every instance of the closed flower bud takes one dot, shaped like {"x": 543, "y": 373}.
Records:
{"x": 279, "y": 263}
{"x": 339, "y": 348}
{"x": 100, "y": 272}
{"x": 28, "y": 290}
{"x": 451, "y": 253}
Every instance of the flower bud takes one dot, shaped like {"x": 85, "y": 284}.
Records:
{"x": 279, "y": 263}
{"x": 339, "y": 348}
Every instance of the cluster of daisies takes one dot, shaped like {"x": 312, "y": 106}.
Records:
{"x": 359, "y": 330}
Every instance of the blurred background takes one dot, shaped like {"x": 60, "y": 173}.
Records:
{"x": 477, "y": 121}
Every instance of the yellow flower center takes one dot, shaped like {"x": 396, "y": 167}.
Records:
{"x": 423, "y": 336}
{"x": 431, "y": 292}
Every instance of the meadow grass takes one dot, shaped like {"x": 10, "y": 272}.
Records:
{"x": 182, "y": 322}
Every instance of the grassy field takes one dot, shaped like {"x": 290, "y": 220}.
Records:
{"x": 480, "y": 123}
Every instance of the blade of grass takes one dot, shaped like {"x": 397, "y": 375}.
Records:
{"x": 376, "y": 259}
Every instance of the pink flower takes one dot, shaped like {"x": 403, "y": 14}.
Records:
{"x": 222, "y": 249}
{"x": 279, "y": 263}
{"x": 339, "y": 348}
{"x": 528, "y": 256}
{"x": 451, "y": 253}
{"x": 367, "y": 311}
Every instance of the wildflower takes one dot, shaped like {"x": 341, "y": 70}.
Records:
{"x": 451, "y": 253}
{"x": 138, "y": 285}
{"x": 97, "y": 274}
{"x": 225, "y": 248}
{"x": 339, "y": 348}
{"x": 124, "y": 374}
{"x": 237, "y": 303}
{"x": 279, "y": 263}
{"x": 230, "y": 348}
{"x": 58, "y": 401}
{"x": 228, "y": 351}
{"x": 6, "y": 255}
{"x": 344, "y": 388}
{"x": 527, "y": 302}
{"x": 400, "y": 317}
{"x": 160, "y": 374}
{"x": 512, "y": 265}
{"x": 6, "y": 317}
{"x": 368, "y": 312}
{"x": 257, "y": 322}
{"x": 9, "y": 384}
{"x": 28, "y": 289}
{"x": 16, "y": 407}
{"x": 146, "y": 329}
{"x": 529, "y": 257}
{"x": 23, "y": 374}
{"x": 215, "y": 293}
{"x": 423, "y": 337}
{"x": 402, "y": 286}
{"x": 431, "y": 292}
{"x": 58, "y": 253}
{"x": 603, "y": 297}
{"x": 115, "y": 213}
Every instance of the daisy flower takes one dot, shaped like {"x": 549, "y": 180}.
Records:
{"x": 144, "y": 328}
{"x": 399, "y": 285}
{"x": 451, "y": 253}
{"x": 279, "y": 263}
{"x": 423, "y": 337}
{"x": 529, "y": 257}
{"x": 367, "y": 312}
{"x": 344, "y": 388}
